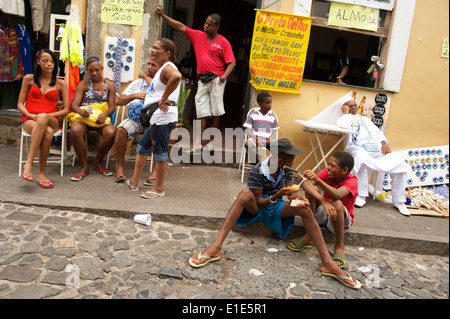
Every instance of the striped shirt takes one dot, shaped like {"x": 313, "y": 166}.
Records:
{"x": 260, "y": 178}
{"x": 262, "y": 125}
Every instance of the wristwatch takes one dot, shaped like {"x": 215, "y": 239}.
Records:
{"x": 271, "y": 201}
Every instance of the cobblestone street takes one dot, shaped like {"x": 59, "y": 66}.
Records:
{"x": 47, "y": 253}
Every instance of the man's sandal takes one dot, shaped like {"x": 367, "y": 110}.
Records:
{"x": 341, "y": 258}
{"x": 208, "y": 260}
{"x": 299, "y": 245}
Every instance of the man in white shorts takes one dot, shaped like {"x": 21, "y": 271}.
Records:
{"x": 134, "y": 96}
{"x": 215, "y": 62}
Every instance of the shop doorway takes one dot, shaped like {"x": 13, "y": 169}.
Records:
{"x": 237, "y": 26}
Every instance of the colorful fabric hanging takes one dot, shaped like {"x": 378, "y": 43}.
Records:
{"x": 12, "y": 68}
{"x": 4, "y": 56}
{"x": 72, "y": 44}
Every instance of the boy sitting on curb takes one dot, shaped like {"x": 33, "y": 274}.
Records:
{"x": 335, "y": 207}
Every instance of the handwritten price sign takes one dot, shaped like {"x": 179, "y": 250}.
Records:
{"x": 123, "y": 13}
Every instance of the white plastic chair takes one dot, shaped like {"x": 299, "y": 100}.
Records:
{"x": 242, "y": 162}
{"x": 55, "y": 156}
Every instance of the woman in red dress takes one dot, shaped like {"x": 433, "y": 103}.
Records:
{"x": 37, "y": 101}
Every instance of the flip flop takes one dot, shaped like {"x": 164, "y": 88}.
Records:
{"x": 120, "y": 178}
{"x": 27, "y": 177}
{"x": 77, "y": 177}
{"x": 208, "y": 260}
{"x": 342, "y": 278}
{"x": 45, "y": 184}
{"x": 133, "y": 188}
{"x": 341, "y": 258}
{"x": 149, "y": 183}
{"x": 299, "y": 244}
{"x": 156, "y": 195}
{"x": 104, "y": 172}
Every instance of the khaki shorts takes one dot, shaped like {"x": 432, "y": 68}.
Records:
{"x": 209, "y": 98}
{"x": 322, "y": 219}
{"x": 132, "y": 127}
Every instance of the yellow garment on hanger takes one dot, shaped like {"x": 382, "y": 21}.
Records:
{"x": 70, "y": 44}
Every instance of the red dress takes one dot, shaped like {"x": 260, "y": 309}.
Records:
{"x": 41, "y": 103}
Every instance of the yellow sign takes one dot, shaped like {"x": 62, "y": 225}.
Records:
{"x": 126, "y": 3}
{"x": 444, "y": 51}
{"x": 122, "y": 14}
{"x": 278, "y": 52}
{"x": 353, "y": 16}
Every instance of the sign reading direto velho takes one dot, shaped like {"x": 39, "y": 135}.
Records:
{"x": 128, "y": 12}
{"x": 278, "y": 52}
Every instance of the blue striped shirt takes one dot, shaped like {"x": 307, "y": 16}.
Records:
{"x": 260, "y": 178}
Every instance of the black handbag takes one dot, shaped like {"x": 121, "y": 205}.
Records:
{"x": 206, "y": 77}
{"x": 147, "y": 112}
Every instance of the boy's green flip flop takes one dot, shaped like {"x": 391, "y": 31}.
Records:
{"x": 299, "y": 244}
{"x": 341, "y": 258}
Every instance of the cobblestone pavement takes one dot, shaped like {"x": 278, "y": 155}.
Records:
{"x": 46, "y": 253}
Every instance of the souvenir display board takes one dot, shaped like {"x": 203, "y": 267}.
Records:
{"x": 429, "y": 166}
{"x": 127, "y": 60}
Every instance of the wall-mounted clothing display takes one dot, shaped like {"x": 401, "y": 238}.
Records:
{"x": 72, "y": 54}
{"x": 25, "y": 45}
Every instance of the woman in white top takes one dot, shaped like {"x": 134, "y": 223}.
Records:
{"x": 164, "y": 89}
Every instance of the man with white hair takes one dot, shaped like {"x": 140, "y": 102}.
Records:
{"x": 371, "y": 152}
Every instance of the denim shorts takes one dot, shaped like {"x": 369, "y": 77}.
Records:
{"x": 271, "y": 217}
{"x": 156, "y": 136}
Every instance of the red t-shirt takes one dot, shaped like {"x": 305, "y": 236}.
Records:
{"x": 211, "y": 56}
{"x": 350, "y": 182}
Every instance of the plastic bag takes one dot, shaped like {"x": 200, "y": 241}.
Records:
{"x": 97, "y": 109}
{"x": 135, "y": 109}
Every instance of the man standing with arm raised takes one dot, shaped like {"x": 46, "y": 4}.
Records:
{"x": 215, "y": 62}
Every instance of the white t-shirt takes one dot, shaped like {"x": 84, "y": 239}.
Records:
{"x": 154, "y": 94}
{"x": 137, "y": 86}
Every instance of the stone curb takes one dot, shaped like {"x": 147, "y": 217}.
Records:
{"x": 356, "y": 236}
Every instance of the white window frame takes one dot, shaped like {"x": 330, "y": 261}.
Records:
{"x": 402, "y": 15}
{"x": 388, "y": 5}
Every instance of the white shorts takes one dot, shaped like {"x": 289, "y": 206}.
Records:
{"x": 209, "y": 98}
{"x": 132, "y": 127}
{"x": 322, "y": 219}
